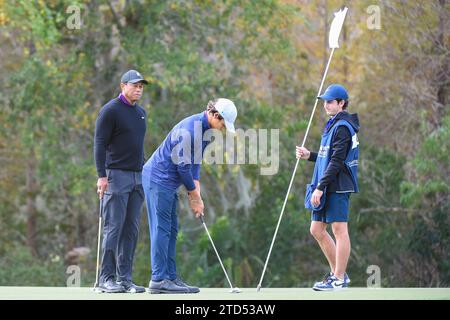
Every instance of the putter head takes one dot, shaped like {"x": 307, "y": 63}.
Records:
{"x": 258, "y": 288}
{"x": 235, "y": 290}
{"x": 97, "y": 290}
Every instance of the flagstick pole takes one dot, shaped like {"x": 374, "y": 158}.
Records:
{"x": 293, "y": 173}
{"x": 318, "y": 94}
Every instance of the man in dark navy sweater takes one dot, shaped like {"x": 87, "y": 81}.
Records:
{"x": 119, "y": 157}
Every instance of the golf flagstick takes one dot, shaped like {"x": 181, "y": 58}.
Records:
{"x": 333, "y": 38}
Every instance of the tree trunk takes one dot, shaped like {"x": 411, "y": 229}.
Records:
{"x": 325, "y": 37}
{"x": 345, "y": 57}
{"x": 442, "y": 77}
{"x": 31, "y": 189}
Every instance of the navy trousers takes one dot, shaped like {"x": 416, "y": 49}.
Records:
{"x": 122, "y": 204}
{"x": 163, "y": 224}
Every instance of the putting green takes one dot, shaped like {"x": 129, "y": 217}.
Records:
{"x": 61, "y": 293}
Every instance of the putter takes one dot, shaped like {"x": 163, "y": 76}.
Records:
{"x": 96, "y": 288}
{"x": 233, "y": 289}
{"x": 335, "y": 30}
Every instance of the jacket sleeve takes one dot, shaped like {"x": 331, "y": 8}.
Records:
{"x": 143, "y": 153}
{"x": 196, "y": 171}
{"x": 103, "y": 131}
{"x": 312, "y": 156}
{"x": 183, "y": 160}
{"x": 184, "y": 170}
{"x": 339, "y": 148}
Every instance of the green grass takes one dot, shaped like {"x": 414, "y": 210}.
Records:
{"x": 61, "y": 293}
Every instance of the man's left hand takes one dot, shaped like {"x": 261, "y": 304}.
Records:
{"x": 315, "y": 199}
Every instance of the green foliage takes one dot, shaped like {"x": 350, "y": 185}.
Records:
{"x": 432, "y": 164}
{"x": 268, "y": 57}
{"x": 19, "y": 268}
{"x": 428, "y": 193}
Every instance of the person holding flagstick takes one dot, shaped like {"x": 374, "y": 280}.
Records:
{"x": 335, "y": 177}
{"x": 335, "y": 30}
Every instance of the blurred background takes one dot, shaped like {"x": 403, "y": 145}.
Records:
{"x": 268, "y": 56}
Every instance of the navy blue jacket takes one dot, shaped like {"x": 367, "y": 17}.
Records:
{"x": 177, "y": 160}
{"x": 337, "y": 176}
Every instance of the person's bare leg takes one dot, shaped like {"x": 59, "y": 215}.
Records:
{"x": 340, "y": 231}
{"x": 319, "y": 232}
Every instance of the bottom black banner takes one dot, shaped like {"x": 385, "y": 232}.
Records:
{"x": 218, "y": 309}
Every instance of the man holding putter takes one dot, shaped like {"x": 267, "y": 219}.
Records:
{"x": 119, "y": 157}
{"x": 177, "y": 162}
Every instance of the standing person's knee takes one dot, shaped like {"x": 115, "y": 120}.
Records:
{"x": 340, "y": 229}
{"x": 317, "y": 232}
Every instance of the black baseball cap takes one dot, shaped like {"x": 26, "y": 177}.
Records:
{"x": 132, "y": 76}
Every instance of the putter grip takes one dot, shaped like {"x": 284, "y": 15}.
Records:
{"x": 201, "y": 219}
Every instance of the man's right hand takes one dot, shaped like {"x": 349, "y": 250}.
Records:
{"x": 196, "y": 203}
{"x": 102, "y": 186}
{"x": 302, "y": 153}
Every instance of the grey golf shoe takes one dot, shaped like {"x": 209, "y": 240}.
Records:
{"x": 110, "y": 286}
{"x": 166, "y": 286}
{"x": 130, "y": 287}
{"x": 181, "y": 283}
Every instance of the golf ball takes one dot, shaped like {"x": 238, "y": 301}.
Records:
{"x": 132, "y": 290}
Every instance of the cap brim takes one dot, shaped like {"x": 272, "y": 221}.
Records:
{"x": 325, "y": 97}
{"x": 138, "y": 80}
{"x": 230, "y": 126}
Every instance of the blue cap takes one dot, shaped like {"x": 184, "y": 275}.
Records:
{"x": 333, "y": 92}
{"x": 132, "y": 76}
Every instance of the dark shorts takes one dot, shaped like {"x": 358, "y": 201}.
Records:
{"x": 335, "y": 210}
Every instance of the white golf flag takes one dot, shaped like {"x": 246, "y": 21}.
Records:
{"x": 336, "y": 26}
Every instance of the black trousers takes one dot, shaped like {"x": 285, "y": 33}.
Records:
{"x": 122, "y": 204}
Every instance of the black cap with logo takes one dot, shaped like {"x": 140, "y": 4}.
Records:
{"x": 132, "y": 76}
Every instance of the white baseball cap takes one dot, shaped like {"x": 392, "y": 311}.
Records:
{"x": 228, "y": 111}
